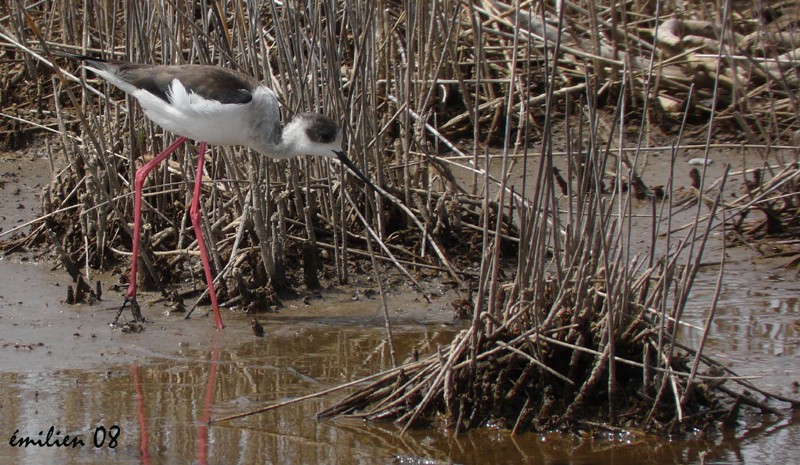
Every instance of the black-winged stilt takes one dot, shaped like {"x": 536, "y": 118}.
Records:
{"x": 218, "y": 106}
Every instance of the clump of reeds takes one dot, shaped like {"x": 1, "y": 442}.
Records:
{"x": 769, "y": 207}
{"x": 588, "y": 328}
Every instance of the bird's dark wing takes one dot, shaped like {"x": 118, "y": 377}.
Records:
{"x": 208, "y": 82}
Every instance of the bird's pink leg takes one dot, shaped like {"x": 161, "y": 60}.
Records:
{"x": 194, "y": 214}
{"x": 138, "y": 185}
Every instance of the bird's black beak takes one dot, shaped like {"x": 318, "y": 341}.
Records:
{"x": 352, "y": 167}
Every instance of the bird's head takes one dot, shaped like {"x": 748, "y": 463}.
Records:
{"x": 315, "y": 134}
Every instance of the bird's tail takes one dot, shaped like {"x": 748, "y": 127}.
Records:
{"x": 109, "y": 70}
{"x": 92, "y": 61}
{"x": 74, "y": 56}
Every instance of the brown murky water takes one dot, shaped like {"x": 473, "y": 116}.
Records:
{"x": 146, "y": 398}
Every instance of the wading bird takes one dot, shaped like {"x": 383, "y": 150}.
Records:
{"x": 218, "y": 106}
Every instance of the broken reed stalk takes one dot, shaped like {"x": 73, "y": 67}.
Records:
{"x": 707, "y": 327}
{"x": 376, "y": 275}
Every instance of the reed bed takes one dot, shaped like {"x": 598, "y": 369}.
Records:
{"x": 457, "y": 109}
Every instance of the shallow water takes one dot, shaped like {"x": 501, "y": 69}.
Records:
{"x": 161, "y": 408}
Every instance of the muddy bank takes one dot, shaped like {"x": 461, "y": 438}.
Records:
{"x": 39, "y": 330}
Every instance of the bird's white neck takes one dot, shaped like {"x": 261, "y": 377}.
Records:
{"x": 285, "y": 145}
{"x": 293, "y": 141}
{"x": 296, "y": 139}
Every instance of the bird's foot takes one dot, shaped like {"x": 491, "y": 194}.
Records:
{"x": 136, "y": 312}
